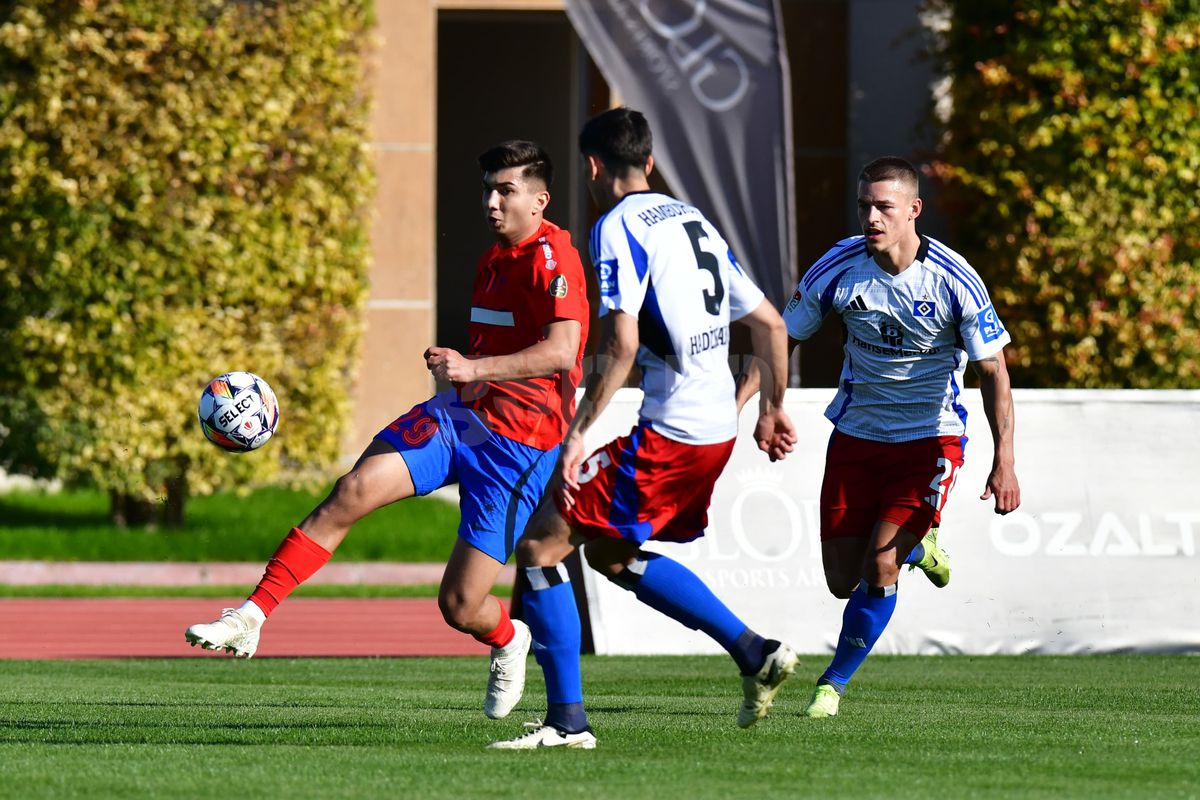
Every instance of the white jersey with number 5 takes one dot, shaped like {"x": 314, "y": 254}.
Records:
{"x": 660, "y": 261}
{"x": 908, "y": 337}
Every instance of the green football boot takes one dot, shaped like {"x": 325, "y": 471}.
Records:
{"x": 936, "y": 563}
{"x": 824, "y": 702}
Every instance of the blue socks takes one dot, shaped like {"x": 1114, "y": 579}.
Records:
{"x": 867, "y": 614}
{"x": 657, "y": 581}
{"x": 668, "y": 586}
{"x": 916, "y": 555}
{"x": 553, "y": 619}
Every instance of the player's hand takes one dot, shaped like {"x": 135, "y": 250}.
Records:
{"x": 565, "y": 481}
{"x": 775, "y": 434}
{"x": 1002, "y": 483}
{"x": 449, "y": 365}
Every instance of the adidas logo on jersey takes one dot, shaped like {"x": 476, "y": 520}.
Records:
{"x": 857, "y": 304}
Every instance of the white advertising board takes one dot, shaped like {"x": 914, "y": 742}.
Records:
{"x": 1100, "y": 558}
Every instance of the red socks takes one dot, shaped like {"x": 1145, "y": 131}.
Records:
{"x": 299, "y": 557}
{"x": 503, "y": 633}
{"x": 296, "y": 560}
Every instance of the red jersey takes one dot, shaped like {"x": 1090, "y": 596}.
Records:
{"x": 518, "y": 291}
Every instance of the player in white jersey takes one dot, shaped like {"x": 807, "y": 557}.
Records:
{"x": 915, "y": 313}
{"x": 909, "y": 337}
{"x": 669, "y": 287}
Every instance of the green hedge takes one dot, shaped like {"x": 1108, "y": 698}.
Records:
{"x": 1071, "y": 160}
{"x": 186, "y": 193}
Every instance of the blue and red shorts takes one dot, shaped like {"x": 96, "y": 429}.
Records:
{"x": 905, "y": 483}
{"x": 646, "y": 486}
{"x": 500, "y": 481}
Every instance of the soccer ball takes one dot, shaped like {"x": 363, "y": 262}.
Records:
{"x": 238, "y": 411}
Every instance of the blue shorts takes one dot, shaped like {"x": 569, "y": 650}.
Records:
{"x": 500, "y": 481}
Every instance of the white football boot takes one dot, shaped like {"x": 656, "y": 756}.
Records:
{"x": 547, "y": 736}
{"x": 506, "y": 680}
{"x": 759, "y": 689}
{"x": 234, "y": 632}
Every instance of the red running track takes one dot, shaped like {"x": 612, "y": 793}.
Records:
{"x": 120, "y": 628}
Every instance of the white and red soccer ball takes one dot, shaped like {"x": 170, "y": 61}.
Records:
{"x": 238, "y": 411}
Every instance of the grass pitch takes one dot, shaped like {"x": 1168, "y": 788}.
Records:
{"x": 1103, "y": 726}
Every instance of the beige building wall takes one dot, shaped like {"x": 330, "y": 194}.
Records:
{"x": 401, "y": 305}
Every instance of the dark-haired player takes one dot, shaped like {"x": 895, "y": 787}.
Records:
{"x": 669, "y": 287}
{"x": 915, "y": 313}
{"x": 496, "y": 434}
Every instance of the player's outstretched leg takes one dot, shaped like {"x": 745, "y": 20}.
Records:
{"x": 867, "y": 614}
{"x": 553, "y": 619}
{"x": 671, "y": 588}
{"x": 931, "y": 559}
{"x": 380, "y": 476}
{"x": 237, "y": 629}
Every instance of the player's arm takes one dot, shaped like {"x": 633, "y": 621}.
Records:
{"x": 749, "y": 381}
{"x": 998, "y": 406}
{"x": 802, "y": 317}
{"x": 615, "y": 356}
{"x": 554, "y": 354}
{"x": 774, "y": 431}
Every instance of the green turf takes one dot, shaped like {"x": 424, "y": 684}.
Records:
{"x": 1104, "y": 726}
{"x": 74, "y": 526}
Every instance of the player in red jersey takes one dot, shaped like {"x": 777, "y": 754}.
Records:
{"x": 496, "y": 434}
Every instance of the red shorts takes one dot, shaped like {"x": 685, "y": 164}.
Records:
{"x": 905, "y": 483}
{"x": 646, "y": 486}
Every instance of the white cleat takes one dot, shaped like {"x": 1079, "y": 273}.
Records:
{"x": 506, "y": 680}
{"x": 760, "y": 689}
{"x": 233, "y": 632}
{"x": 547, "y": 736}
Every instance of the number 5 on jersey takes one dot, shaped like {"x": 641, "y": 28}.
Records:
{"x": 706, "y": 261}
{"x": 591, "y": 468}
